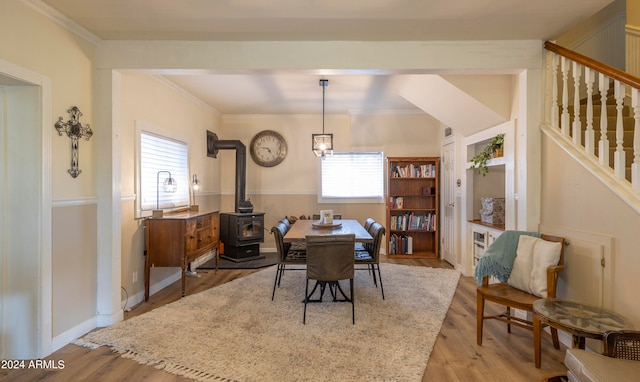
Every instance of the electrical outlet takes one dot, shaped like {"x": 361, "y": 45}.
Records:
{"x": 135, "y": 277}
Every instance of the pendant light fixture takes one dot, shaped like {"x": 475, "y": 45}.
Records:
{"x": 322, "y": 144}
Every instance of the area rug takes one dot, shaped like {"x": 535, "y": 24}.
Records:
{"x": 234, "y": 332}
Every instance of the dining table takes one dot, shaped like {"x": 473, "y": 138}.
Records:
{"x": 301, "y": 228}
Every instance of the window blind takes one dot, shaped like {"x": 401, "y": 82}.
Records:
{"x": 353, "y": 175}
{"x": 157, "y": 154}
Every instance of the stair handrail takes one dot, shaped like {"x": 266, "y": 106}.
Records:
{"x": 566, "y": 66}
{"x": 598, "y": 66}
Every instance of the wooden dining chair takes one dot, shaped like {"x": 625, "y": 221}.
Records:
{"x": 330, "y": 260}
{"x": 511, "y": 297}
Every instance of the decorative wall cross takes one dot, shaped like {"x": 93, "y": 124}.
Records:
{"x": 74, "y": 130}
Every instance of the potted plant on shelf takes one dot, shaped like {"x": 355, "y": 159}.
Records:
{"x": 493, "y": 150}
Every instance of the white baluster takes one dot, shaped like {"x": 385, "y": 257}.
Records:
{"x": 577, "y": 125}
{"x": 635, "y": 166}
{"x": 619, "y": 156}
{"x": 589, "y": 134}
{"x": 564, "y": 125}
{"x": 603, "y": 145}
{"x": 555, "y": 111}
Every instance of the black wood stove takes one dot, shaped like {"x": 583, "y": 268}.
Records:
{"x": 242, "y": 231}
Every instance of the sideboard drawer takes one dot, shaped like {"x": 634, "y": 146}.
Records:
{"x": 175, "y": 240}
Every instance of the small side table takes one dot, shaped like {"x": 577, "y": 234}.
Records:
{"x": 580, "y": 320}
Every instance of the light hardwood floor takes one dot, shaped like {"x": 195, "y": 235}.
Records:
{"x": 455, "y": 357}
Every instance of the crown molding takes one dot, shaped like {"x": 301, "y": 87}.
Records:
{"x": 171, "y": 85}
{"x": 62, "y": 20}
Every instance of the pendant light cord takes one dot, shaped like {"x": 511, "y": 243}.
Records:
{"x": 324, "y": 84}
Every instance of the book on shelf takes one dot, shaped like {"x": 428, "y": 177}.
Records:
{"x": 401, "y": 245}
{"x": 412, "y": 222}
{"x": 411, "y": 170}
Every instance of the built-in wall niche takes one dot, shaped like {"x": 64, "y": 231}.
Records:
{"x": 492, "y": 185}
{"x": 497, "y": 181}
{"x": 489, "y": 183}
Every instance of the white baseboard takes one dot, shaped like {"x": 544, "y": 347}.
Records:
{"x": 103, "y": 320}
{"x": 202, "y": 259}
{"x": 137, "y": 298}
{"x": 65, "y": 338}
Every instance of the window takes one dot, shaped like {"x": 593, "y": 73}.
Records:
{"x": 356, "y": 177}
{"x": 157, "y": 157}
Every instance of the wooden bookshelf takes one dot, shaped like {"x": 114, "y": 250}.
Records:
{"x": 412, "y": 207}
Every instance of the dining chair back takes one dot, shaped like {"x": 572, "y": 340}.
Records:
{"x": 286, "y": 254}
{"x": 329, "y": 260}
{"x": 368, "y": 223}
{"x": 370, "y": 256}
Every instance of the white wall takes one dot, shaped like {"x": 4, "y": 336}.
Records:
{"x": 574, "y": 199}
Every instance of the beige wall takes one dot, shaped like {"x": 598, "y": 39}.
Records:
{"x": 633, "y": 12}
{"x": 290, "y": 188}
{"x": 74, "y": 268}
{"x": 149, "y": 100}
{"x": 601, "y": 36}
{"x": 50, "y": 50}
{"x": 32, "y": 41}
{"x": 68, "y": 61}
{"x": 573, "y": 198}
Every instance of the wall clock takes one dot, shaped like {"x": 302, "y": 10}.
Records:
{"x": 268, "y": 148}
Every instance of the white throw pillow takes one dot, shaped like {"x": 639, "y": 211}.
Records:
{"x": 545, "y": 254}
{"x": 523, "y": 264}
{"x": 533, "y": 257}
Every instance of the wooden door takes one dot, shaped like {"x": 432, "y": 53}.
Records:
{"x": 447, "y": 235}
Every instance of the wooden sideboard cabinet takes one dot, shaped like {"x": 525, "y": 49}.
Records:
{"x": 175, "y": 240}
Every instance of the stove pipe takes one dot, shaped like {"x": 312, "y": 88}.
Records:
{"x": 213, "y": 145}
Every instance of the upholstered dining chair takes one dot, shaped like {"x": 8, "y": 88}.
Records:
{"x": 536, "y": 267}
{"x": 294, "y": 248}
{"x": 370, "y": 256}
{"x": 368, "y": 222}
{"x": 286, "y": 254}
{"x": 286, "y": 222}
{"x": 330, "y": 260}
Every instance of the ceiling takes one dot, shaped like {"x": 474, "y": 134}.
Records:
{"x": 313, "y": 20}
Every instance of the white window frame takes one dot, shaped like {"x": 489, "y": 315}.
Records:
{"x": 181, "y": 175}
{"x": 347, "y": 199}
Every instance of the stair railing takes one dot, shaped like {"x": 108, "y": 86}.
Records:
{"x": 563, "y": 111}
